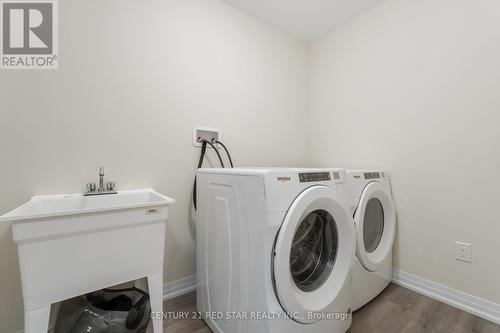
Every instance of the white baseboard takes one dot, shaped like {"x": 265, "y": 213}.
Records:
{"x": 179, "y": 287}
{"x": 466, "y": 302}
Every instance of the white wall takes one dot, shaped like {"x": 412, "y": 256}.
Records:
{"x": 412, "y": 87}
{"x": 134, "y": 78}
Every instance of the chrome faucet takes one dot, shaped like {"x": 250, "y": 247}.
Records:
{"x": 101, "y": 179}
{"x": 101, "y": 190}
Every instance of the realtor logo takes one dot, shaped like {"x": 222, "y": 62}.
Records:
{"x": 29, "y": 34}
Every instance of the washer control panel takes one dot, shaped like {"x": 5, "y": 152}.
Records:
{"x": 308, "y": 177}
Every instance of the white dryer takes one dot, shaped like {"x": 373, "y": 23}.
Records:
{"x": 275, "y": 249}
{"x": 375, "y": 221}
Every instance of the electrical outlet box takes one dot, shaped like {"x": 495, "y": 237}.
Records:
{"x": 463, "y": 251}
{"x": 201, "y": 133}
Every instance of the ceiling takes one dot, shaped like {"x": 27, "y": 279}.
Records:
{"x": 305, "y": 19}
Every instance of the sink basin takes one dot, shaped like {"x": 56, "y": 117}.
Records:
{"x": 70, "y": 245}
{"x": 71, "y": 204}
{"x": 45, "y": 216}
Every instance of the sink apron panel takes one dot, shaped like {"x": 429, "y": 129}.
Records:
{"x": 70, "y": 256}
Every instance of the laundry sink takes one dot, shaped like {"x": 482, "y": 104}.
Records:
{"x": 44, "y": 216}
{"x": 70, "y": 245}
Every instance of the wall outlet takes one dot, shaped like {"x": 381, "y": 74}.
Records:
{"x": 463, "y": 251}
{"x": 201, "y": 133}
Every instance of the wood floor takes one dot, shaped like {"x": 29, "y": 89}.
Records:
{"x": 399, "y": 309}
{"x": 396, "y": 310}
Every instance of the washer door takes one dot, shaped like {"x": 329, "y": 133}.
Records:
{"x": 313, "y": 253}
{"x": 375, "y": 221}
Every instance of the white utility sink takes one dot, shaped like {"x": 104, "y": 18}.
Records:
{"x": 70, "y": 245}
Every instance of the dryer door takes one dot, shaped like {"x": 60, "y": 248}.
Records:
{"x": 313, "y": 253}
{"x": 375, "y": 221}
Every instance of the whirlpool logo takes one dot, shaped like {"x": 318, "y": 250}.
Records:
{"x": 284, "y": 179}
{"x": 29, "y": 34}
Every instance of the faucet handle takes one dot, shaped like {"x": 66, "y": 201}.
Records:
{"x": 110, "y": 186}
{"x": 91, "y": 187}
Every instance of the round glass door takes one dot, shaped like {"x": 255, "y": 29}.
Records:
{"x": 313, "y": 251}
{"x": 375, "y": 220}
{"x": 373, "y": 226}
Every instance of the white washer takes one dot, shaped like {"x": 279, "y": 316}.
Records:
{"x": 272, "y": 242}
{"x": 375, "y": 222}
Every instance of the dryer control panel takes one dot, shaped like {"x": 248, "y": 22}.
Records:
{"x": 372, "y": 175}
